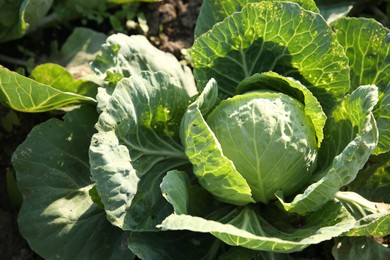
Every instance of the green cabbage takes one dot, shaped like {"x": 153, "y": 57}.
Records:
{"x": 270, "y": 140}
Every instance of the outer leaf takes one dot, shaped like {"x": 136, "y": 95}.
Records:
{"x": 245, "y": 227}
{"x": 208, "y": 99}
{"x": 26, "y": 95}
{"x": 58, "y": 217}
{"x": 373, "y": 217}
{"x": 185, "y": 197}
{"x": 128, "y": 56}
{"x": 138, "y": 137}
{"x": 58, "y": 77}
{"x": 273, "y": 36}
{"x": 148, "y": 207}
{"x": 359, "y": 248}
{"x": 214, "y": 11}
{"x": 11, "y": 26}
{"x": 373, "y": 225}
{"x": 351, "y": 120}
{"x": 273, "y": 81}
{"x": 367, "y": 45}
{"x": 80, "y": 48}
{"x": 345, "y": 122}
{"x": 215, "y": 172}
{"x": 17, "y": 16}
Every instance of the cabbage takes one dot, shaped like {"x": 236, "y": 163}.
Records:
{"x": 253, "y": 161}
{"x": 270, "y": 140}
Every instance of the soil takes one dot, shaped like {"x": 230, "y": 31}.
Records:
{"x": 171, "y": 24}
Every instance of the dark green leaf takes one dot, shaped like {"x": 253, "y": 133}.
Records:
{"x": 359, "y": 248}
{"x": 173, "y": 245}
{"x": 58, "y": 217}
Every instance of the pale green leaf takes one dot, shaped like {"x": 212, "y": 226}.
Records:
{"x": 137, "y": 143}
{"x": 129, "y": 56}
{"x": 35, "y": 11}
{"x": 273, "y": 36}
{"x": 293, "y": 88}
{"x": 26, "y": 95}
{"x": 58, "y": 217}
{"x": 175, "y": 190}
{"x": 345, "y": 122}
{"x": 247, "y": 228}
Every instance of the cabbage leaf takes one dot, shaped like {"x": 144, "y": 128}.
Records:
{"x": 53, "y": 175}
{"x": 273, "y": 36}
{"x": 137, "y": 143}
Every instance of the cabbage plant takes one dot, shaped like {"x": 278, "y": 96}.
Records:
{"x": 277, "y": 142}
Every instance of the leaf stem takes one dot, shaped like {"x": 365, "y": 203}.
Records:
{"x": 360, "y": 205}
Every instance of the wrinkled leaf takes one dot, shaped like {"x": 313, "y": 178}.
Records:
{"x": 128, "y": 56}
{"x": 273, "y": 36}
{"x": 347, "y": 146}
{"x": 58, "y": 217}
{"x": 138, "y": 137}
{"x": 214, "y": 11}
{"x": 245, "y": 227}
{"x": 369, "y": 60}
{"x": 255, "y": 227}
{"x": 26, "y": 95}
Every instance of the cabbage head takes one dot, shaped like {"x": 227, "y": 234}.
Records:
{"x": 262, "y": 141}
{"x": 269, "y": 139}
